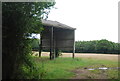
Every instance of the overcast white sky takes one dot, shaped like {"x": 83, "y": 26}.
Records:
{"x": 93, "y": 19}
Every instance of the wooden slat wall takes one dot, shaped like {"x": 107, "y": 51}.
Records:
{"x": 63, "y": 39}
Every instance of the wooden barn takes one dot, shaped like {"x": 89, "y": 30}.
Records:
{"x": 57, "y": 36}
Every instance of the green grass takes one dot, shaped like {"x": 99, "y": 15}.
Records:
{"x": 61, "y": 68}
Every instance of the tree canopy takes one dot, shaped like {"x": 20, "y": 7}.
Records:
{"x": 20, "y": 20}
{"x": 97, "y": 46}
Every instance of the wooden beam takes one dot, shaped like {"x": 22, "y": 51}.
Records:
{"x": 54, "y": 45}
{"x": 51, "y": 43}
{"x": 40, "y": 45}
{"x": 74, "y": 45}
{"x": 57, "y": 39}
{"x": 57, "y": 47}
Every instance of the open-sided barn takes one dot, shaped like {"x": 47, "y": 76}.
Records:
{"x": 57, "y": 36}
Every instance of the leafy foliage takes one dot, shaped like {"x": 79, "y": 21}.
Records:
{"x": 104, "y": 46}
{"x": 35, "y": 44}
{"x": 97, "y": 46}
{"x": 20, "y": 20}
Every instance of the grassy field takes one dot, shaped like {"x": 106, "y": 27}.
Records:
{"x": 77, "y": 68}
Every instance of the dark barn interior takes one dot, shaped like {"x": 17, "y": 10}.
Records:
{"x": 57, "y": 36}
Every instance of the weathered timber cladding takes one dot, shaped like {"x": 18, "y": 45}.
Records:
{"x": 63, "y": 40}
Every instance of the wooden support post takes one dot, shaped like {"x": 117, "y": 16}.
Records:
{"x": 54, "y": 44}
{"x": 74, "y": 44}
{"x": 51, "y": 44}
{"x": 40, "y": 45}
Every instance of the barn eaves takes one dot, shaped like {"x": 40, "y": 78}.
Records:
{"x": 56, "y": 24}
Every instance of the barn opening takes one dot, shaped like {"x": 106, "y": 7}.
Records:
{"x": 57, "y": 36}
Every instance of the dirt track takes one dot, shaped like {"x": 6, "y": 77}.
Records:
{"x": 87, "y": 55}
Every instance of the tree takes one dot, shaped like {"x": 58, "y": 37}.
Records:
{"x": 97, "y": 46}
{"x": 35, "y": 44}
{"x": 20, "y": 20}
{"x": 103, "y": 46}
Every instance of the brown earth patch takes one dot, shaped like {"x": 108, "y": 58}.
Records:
{"x": 81, "y": 73}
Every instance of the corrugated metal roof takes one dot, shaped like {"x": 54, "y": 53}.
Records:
{"x": 56, "y": 24}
